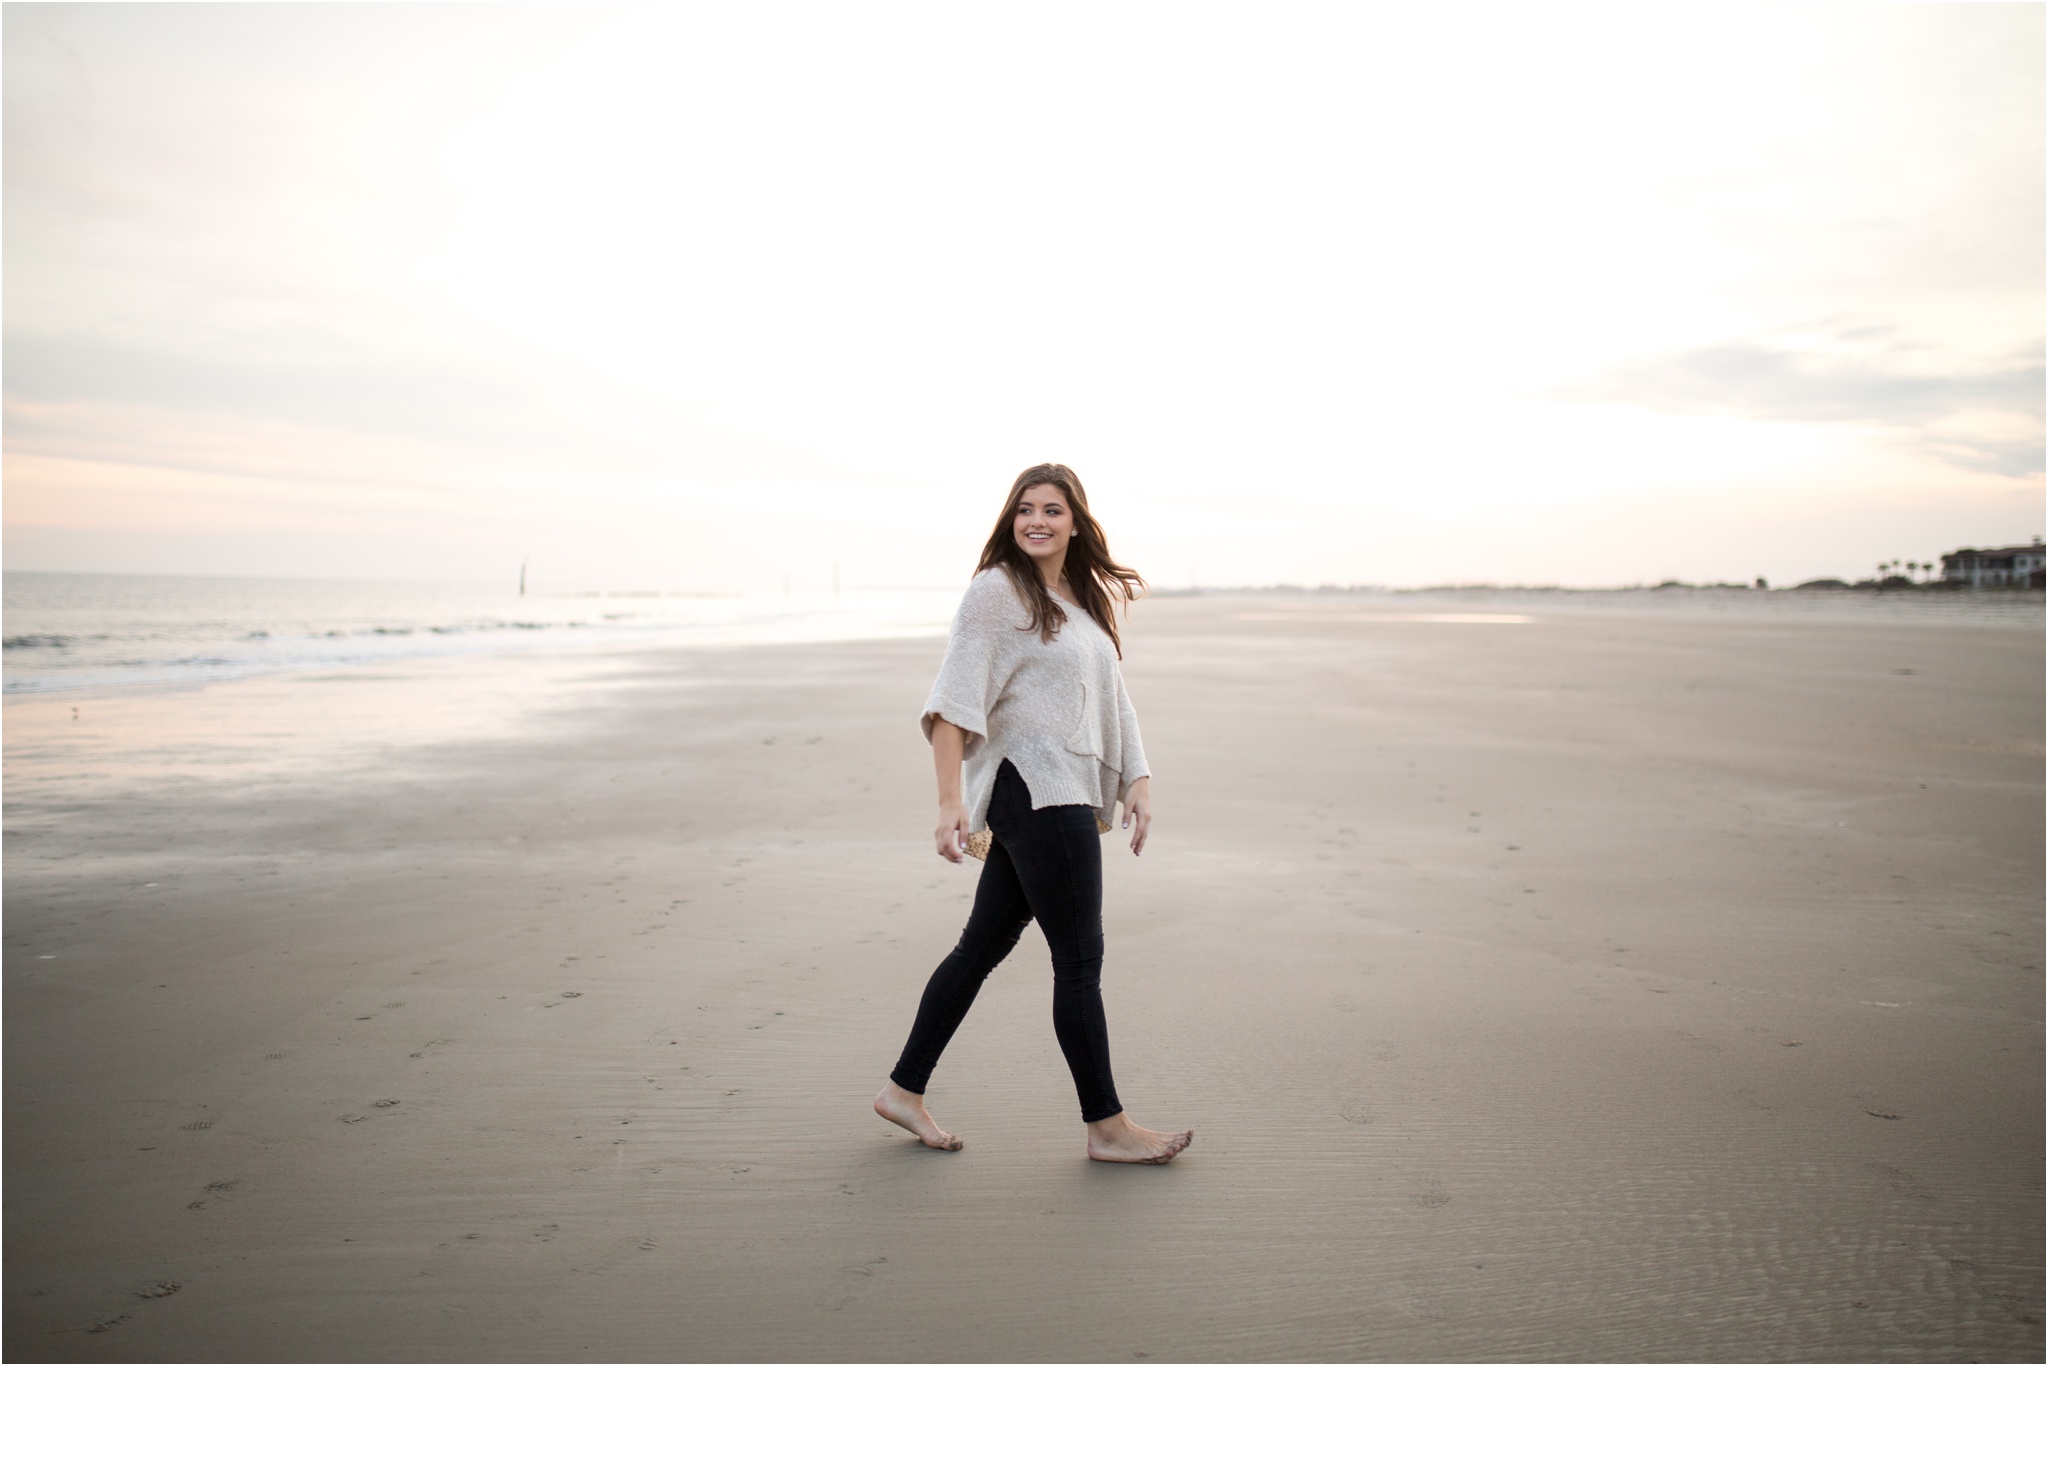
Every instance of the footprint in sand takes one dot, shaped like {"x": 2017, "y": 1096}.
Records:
{"x": 107, "y": 1323}
{"x": 1431, "y": 1195}
{"x": 851, "y": 1282}
{"x": 220, "y": 1186}
{"x": 1358, "y": 1112}
{"x": 162, "y": 1289}
{"x": 1905, "y": 1183}
{"x": 197, "y": 1125}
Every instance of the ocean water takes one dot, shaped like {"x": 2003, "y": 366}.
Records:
{"x": 69, "y": 633}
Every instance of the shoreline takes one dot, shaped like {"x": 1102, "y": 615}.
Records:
{"x": 1989, "y": 607}
{"x": 151, "y": 631}
{"x": 1986, "y": 607}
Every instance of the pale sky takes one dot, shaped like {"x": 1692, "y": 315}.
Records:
{"x": 710, "y": 296}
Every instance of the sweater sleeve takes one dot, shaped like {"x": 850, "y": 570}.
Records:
{"x": 1134, "y": 765}
{"x": 970, "y": 681}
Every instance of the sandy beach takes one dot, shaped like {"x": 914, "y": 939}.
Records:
{"x": 1557, "y": 981}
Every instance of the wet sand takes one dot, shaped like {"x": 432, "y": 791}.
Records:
{"x": 1610, "y": 985}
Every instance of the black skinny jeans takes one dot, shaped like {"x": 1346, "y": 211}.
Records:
{"x": 1044, "y": 864}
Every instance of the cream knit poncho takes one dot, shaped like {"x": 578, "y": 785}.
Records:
{"x": 1057, "y": 710}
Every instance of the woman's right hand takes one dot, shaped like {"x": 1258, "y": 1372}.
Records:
{"x": 949, "y": 746}
{"x": 951, "y": 835}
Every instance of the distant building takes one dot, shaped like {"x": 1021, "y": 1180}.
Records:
{"x": 2013, "y": 565}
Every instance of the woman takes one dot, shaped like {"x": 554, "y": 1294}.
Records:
{"x": 1029, "y": 698}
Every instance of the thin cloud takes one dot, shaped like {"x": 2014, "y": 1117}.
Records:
{"x": 1853, "y": 374}
{"x": 2004, "y": 457}
{"x": 377, "y": 394}
{"x": 83, "y": 396}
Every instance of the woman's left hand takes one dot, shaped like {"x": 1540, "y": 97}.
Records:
{"x": 1138, "y": 812}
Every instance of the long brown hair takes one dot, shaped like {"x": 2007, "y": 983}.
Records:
{"x": 1099, "y": 582}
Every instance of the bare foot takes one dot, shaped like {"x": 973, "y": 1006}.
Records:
{"x": 1117, "y": 1139}
{"x": 899, "y": 1106}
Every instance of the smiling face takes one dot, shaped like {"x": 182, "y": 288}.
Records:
{"x": 1044, "y": 522}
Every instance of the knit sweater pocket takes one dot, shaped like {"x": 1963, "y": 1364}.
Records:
{"x": 1086, "y": 739}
